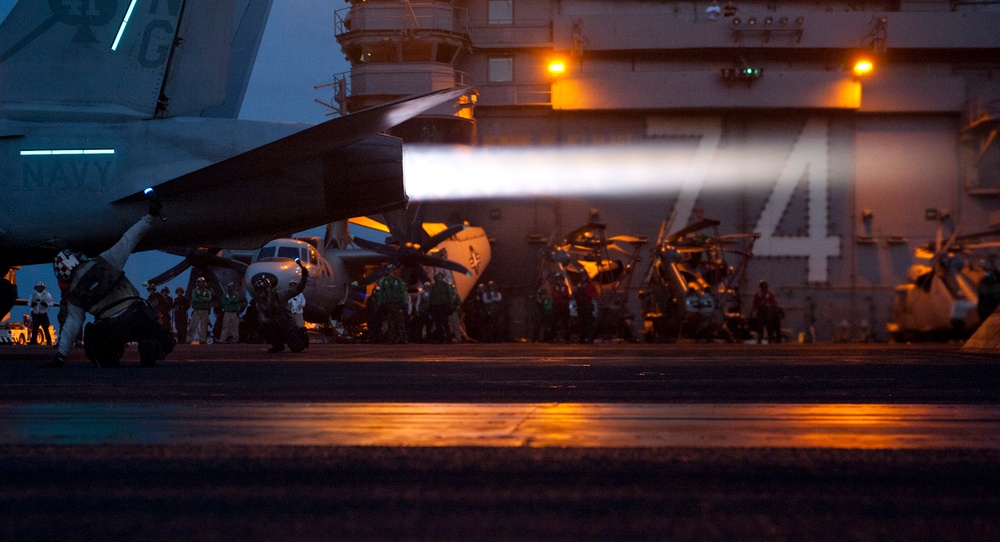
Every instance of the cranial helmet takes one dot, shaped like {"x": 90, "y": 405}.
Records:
{"x": 264, "y": 280}
{"x": 64, "y": 264}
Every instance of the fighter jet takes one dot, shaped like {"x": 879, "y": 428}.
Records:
{"x": 342, "y": 269}
{"x": 100, "y": 99}
{"x": 940, "y": 300}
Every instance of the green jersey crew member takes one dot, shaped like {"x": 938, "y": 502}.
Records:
{"x": 232, "y": 304}
{"x": 391, "y": 302}
{"x": 201, "y": 303}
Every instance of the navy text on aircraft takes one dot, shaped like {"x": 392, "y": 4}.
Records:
{"x": 102, "y": 98}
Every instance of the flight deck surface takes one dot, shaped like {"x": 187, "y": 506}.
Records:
{"x": 508, "y": 441}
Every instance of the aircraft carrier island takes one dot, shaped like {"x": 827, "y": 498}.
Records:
{"x": 843, "y": 135}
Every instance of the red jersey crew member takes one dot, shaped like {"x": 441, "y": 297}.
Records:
{"x": 99, "y": 286}
{"x": 768, "y": 314}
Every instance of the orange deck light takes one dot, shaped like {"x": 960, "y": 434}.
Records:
{"x": 557, "y": 67}
{"x": 863, "y": 67}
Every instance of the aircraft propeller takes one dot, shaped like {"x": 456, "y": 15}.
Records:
{"x": 411, "y": 248}
{"x": 207, "y": 263}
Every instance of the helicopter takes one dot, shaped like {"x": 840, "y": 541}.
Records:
{"x": 951, "y": 287}
{"x": 689, "y": 290}
{"x": 609, "y": 262}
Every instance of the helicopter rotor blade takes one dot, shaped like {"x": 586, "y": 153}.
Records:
{"x": 592, "y": 227}
{"x": 697, "y": 226}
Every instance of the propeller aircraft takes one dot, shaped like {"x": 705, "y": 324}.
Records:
{"x": 343, "y": 269}
{"x": 101, "y": 99}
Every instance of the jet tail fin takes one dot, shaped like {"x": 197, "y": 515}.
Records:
{"x": 120, "y": 59}
{"x": 235, "y": 54}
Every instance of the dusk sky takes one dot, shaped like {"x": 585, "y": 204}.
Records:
{"x": 297, "y": 53}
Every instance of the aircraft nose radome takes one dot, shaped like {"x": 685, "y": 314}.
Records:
{"x": 284, "y": 271}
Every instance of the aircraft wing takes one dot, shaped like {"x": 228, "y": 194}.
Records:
{"x": 369, "y": 223}
{"x": 978, "y": 235}
{"x": 359, "y": 256}
{"x": 309, "y": 144}
{"x": 339, "y": 169}
{"x": 572, "y": 236}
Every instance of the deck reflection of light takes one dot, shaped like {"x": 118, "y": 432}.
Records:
{"x": 514, "y": 424}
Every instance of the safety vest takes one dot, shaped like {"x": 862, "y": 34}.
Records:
{"x": 201, "y": 299}
{"x": 440, "y": 294}
{"x": 392, "y": 292}
{"x": 230, "y": 302}
{"x": 39, "y": 302}
{"x": 103, "y": 290}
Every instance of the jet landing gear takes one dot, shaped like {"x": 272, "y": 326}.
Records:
{"x": 8, "y": 293}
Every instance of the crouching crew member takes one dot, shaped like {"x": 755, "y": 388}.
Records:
{"x": 277, "y": 325}
{"x": 99, "y": 286}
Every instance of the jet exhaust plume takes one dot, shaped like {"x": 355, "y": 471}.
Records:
{"x": 452, "y": 173}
